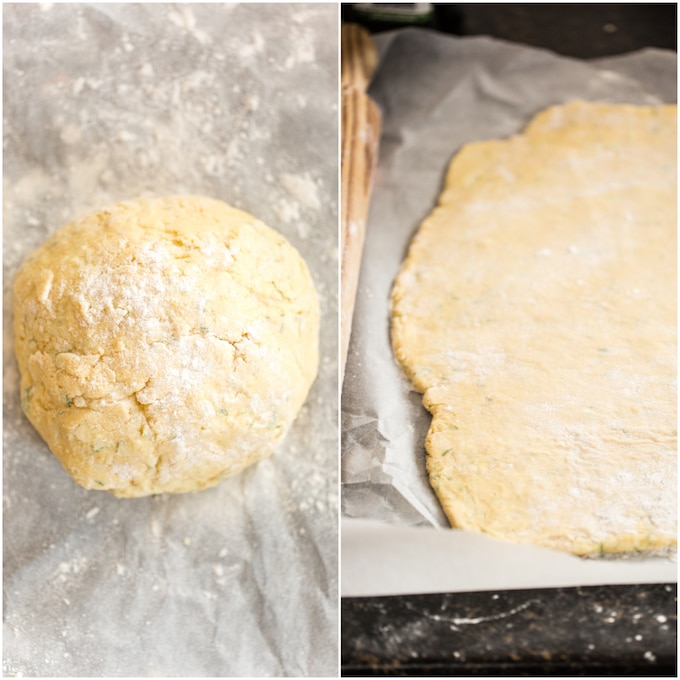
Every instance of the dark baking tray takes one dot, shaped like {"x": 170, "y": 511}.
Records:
{"x": 601, "y": 630}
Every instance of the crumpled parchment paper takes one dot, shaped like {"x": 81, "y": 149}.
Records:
{"x": 436, "y": 93}
{"x": 108, "y": 102}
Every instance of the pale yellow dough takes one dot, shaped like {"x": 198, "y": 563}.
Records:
{"x": 536, "y": 311}
{"x": 164, "y": 343}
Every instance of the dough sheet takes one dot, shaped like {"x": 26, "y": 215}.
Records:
{"x": 536, "y": 311}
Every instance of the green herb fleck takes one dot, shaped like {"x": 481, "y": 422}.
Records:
{"x": 26, "y": 400}
{"x": 278, "y": 290}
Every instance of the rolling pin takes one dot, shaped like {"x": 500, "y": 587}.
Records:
{"x": 360, "y": 128}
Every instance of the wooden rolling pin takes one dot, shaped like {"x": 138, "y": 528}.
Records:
{"x": 360, "y": 134}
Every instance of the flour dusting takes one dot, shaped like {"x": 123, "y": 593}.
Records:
{"x": 180, "y": 100}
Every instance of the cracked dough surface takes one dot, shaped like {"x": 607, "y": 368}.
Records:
{"x": 536, "y": 311}
{"x": 164, "y": 344}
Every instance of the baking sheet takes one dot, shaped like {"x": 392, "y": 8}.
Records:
{"x": 107, "y": 102}
{"x": 437, "y": 92}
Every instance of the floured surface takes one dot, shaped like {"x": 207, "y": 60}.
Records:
{"x": 164, "y": 344}
{"x": 234, "y": 101}
{"x": 536, "y": 311}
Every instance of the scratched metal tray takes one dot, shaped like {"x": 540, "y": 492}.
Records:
{"x": 601, "y": 630}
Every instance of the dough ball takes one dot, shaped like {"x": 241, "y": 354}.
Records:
{"x": 164, "y": 343}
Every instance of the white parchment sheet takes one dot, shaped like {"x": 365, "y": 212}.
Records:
{"x": 437, "y": 92}
{"x": 107, "y": 102}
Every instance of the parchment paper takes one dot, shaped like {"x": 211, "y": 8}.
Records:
{"x": 437, "y": 92}
{"x": 239, "y": 102}
{"x": 388, "y": 559}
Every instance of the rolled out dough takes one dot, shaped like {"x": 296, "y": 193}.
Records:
{"x": 536, "y": 311}
{"x": 164, "y": 343}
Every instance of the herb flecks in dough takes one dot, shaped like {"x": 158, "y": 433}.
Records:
{"x": 536, "y": 312}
